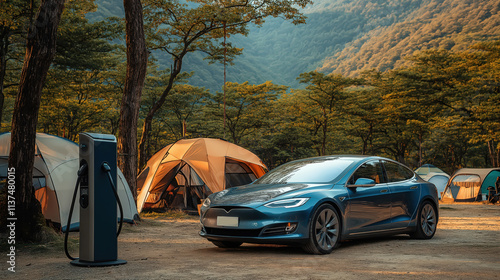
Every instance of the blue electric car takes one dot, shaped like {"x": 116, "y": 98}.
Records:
{"x": 316, "y": 203}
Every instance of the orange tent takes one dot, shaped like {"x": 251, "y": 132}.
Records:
{"x": 191, "y": 169}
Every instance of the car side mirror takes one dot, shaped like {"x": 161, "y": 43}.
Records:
{"x": 363, "y": 182}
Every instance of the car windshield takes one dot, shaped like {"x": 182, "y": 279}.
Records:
{"x": 307, "y": 171}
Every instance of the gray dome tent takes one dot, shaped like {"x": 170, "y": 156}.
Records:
{"x": 432, "y": 174}
{"x": 54, "y": 178}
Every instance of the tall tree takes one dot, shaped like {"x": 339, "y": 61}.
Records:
{"x": 179, "y": 118}
{"x": 360, "y": 119}
{"x": 15, "y": 16}
{"x": 440, "y": 87}
{"x": 82, "y": 92}
{"x": 247, "y": 107}
{"x": 137, "y": 59}
{"x": 40, "y": 50}
{"x": 183, "y": 104}
{"x": 286, "y": 135}
{"x": 325, "y": 94}
{"x": 486, "y": 84}
{"x": 179, "y": 29}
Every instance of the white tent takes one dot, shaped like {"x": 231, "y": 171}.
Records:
{"x": 432, "y": 174}
{"x": 440, "y": 180}
{"x": 54, "y": 179}
{"x": 426, "y": 171}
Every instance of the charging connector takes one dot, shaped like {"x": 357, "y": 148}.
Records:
{"x": 82, "y": 176}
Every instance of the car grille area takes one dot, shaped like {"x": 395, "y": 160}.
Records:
{"x": 249, "y": 223}
{"x": 233, "y": 232}
{"x": 272, "y": 230}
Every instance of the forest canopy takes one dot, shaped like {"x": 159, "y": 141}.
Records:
{"x": 417, "y": 96}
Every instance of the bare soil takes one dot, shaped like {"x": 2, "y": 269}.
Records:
{"x": 466, "y": 246}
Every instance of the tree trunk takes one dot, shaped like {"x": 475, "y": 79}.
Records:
{"x": 4, "y": 45}
{"x": 493, "y": 152}
{"x": 325, "y": 133}
{"x": 137, "y": 59}
{"x": 2, "y": 95}
{"x": 40, "y": 50}
{"x": 146, "y": 128}
{"x": 420, "y": 153}
{"x": 400, "y": 157}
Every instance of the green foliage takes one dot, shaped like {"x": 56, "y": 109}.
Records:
{"x": 15, "y": 19}
{"x": 442, "y": 110}
{"x": 359, "y": 119}
{"x": 182, "y": 110}
{"x": 433, "y": 110}
{"x": 83, "y": 87}
{"x": 438, "y": 105}
{"x": 178, "y": 28}
{"x": 247, "y": 109}
{"x": 344, "y": 36}
{"x": 171, "y": 20}
{"x": 321, "y": 104}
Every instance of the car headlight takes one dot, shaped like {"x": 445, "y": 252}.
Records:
{"x": 206, "y": 202}
{"x": 287, "y": 203}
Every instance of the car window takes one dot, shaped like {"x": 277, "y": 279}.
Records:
{"x": 306, "y": 171}
{"x": 397, "y": 172}
{"x": 369, "y": 170}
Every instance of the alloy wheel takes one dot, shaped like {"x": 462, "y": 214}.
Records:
{"x": 428, "y": 220}
{"x": 326, "y": 229}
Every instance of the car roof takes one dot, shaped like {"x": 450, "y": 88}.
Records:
{"x": 353, "y": 157}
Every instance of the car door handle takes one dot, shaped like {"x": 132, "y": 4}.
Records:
{"x": 414, "y": 188}
{"x": 384, "y": 191}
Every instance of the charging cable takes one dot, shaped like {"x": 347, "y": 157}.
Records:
{"x": 105, "y": 167}
{"x": 81, "y": 172}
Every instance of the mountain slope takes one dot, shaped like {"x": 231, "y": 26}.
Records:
{"x": 343, "y": 36}
{"x": 448, "y": 24}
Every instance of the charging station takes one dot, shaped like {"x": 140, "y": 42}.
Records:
{"x": 98, "y": 201}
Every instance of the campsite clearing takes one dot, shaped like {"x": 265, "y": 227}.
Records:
{"x": 466, "y": 246}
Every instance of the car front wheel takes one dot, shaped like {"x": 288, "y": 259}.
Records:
{"x": 426, "y": 222}
{"x": 324, "y": 231}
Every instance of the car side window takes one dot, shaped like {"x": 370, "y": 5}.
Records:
{"x": 396, "y": 172}
{"x": 369, "y": 170}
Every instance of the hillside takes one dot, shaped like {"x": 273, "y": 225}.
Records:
{"x": 344, "y": 36}
{"x": 443, "y": 24}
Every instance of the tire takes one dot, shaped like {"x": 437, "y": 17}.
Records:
{"x": 324, "y": 231}
{"x": 226, "y": 244}
{"x": 426, "y": 222}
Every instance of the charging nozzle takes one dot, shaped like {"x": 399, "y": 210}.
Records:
{"x": 105, "y": 167}
{"x": 83, "y": 170}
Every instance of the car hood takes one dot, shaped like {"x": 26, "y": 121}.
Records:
{"x": 252, "y": 194}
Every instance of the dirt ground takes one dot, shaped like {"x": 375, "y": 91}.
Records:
{"x": 466, "y": 246}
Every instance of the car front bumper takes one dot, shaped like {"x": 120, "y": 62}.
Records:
{"x": 256, "y": 225}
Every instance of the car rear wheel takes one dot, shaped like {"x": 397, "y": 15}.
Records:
{"x": 426, "y": 222}
{"x": 226, "y": 244}
{"x": 324, "y": 231}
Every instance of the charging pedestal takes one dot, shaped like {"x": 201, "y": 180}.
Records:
{"x": 98, "y": 214}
